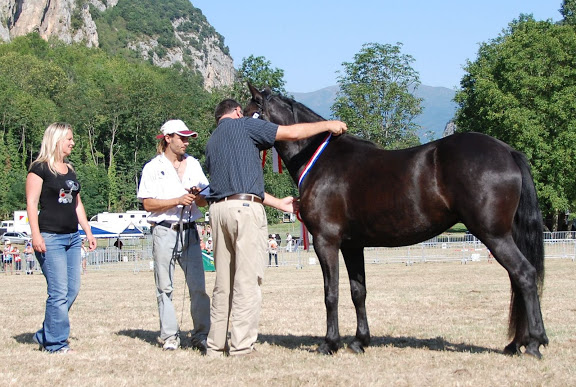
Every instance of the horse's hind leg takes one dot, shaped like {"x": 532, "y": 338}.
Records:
{"x": 354, "y": 259}
{"x": 525, "y": 314}
{"x": 518, "y": 327}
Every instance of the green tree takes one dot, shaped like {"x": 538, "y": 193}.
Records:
{"x": 259, "y": 72}
{"x": 376, "y": 96}
{"x": 568, "y": 11}
{"x": 115, "y": 105}
{"x": 521, "y": 89}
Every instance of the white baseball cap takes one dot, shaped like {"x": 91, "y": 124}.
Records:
{"x": 178, "y": 127}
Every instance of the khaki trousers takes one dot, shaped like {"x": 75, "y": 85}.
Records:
{"x": 239, "y": 232}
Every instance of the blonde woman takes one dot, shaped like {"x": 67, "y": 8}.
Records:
{"x": 52, "y": 186}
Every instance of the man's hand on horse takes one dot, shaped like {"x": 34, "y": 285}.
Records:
{"x": 337, "y": 127}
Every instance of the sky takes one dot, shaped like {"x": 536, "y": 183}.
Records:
{"x": 311, "y": 39}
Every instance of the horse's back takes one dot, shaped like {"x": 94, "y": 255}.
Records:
{"x": 392, "y": 198}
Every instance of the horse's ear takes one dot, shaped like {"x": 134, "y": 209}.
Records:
{"x": 256, "y": 95}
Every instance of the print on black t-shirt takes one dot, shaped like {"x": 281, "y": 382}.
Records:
{"x": 66, "y": 195}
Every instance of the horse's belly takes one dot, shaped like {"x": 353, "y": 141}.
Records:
{"x": 404, "y": 234}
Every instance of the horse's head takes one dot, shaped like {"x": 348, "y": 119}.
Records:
{"x": 285, "y": 111}
{"x": 278, "y": 109}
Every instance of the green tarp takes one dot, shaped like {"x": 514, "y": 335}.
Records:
{"x": 208, "y": 261}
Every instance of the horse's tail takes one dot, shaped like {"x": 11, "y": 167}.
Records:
{"x": 528, "y": 233}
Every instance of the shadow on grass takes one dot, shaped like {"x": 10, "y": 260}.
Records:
{"x": 28, "y": 338}
{"x": 153, "y": 337}
{"x": 310, "y": 343}
{"x": 25, "y": 338}
{"x": 150, "y": 337}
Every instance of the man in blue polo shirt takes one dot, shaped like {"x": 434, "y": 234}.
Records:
{"x": 238, "y": 220}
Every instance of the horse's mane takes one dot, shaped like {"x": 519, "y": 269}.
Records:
{"x": 303, "y": 112}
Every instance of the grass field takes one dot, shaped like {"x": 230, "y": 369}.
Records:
{"x": 432, "y": 324}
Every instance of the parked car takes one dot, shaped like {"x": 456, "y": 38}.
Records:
{"x": 16, "y": 237}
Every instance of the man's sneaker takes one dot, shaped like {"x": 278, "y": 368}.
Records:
{"x": 172, "y": 344}
{"x": 200, "y": 345}
{"x": 64, "y": 351}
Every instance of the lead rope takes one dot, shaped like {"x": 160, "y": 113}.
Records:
{"x": 177, "y": 255}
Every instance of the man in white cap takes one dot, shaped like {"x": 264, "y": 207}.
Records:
{"x": 169, "y": 189}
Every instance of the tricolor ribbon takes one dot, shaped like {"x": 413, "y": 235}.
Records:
{"x": 311, "y": 162}
{"x": 314, "y": 158}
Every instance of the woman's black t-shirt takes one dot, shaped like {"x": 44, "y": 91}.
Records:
{"x": 57, "y": 200}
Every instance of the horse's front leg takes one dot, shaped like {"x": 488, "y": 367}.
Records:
{"x": 354, "y": 259}
{"x": 328, "y": 257}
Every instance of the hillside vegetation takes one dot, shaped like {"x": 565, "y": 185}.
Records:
{"x": 116, "y": 107}
{"x": 134, "y": 20}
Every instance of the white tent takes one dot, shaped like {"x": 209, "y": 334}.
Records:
{"x": 117, "y": 229}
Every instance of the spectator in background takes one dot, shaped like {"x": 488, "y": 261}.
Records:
{"x": 288, "y": 242}
{"x": 118, "y": 244}
{"x": 29, "y": 257}
{"x": 7, "y": 257}
{"x": 209, "y": 246}
{"x": 52, "y": 185}
{"x": 490, "y": 256}
{"x": 17, "y": 258}
{"x": 272, "y": 249}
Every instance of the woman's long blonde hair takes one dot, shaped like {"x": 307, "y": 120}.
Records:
{"x": 50, "y": 150}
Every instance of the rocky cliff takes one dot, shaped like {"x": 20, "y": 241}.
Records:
{"x": 72, "y": 21}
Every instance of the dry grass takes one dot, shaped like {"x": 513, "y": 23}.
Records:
{"x": 432, "y": 324}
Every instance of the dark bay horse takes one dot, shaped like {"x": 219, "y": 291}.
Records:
{"x": 357, "y": 195}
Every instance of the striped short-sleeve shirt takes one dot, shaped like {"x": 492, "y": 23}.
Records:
{"x": 233, "y": 156}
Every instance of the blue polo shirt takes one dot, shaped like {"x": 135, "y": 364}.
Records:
{"x": 233, "y": 156}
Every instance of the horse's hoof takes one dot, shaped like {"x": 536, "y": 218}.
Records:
{"x": 535, "y": 354}
{"x": 512, "y": 349}
{"x": 544, "y": 340}
{"x": 533, "y": 349}
{"x": 324, "y": 349}
{"x": 355, "y": 347}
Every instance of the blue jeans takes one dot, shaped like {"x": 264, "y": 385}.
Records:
{"x": 61, "y": 265}
{"x": 165, "y": 240}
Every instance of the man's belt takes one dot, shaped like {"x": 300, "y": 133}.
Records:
{"x": 176, "y": 226}
{"x": 248, "y": 197}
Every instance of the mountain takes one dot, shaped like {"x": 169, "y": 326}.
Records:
{"x": 438, "y": 108}
{"x": 167, "y": 33}
{"x": 172, "y": 33}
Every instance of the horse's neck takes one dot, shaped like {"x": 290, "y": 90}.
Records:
{"x": 296, "y": 154}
